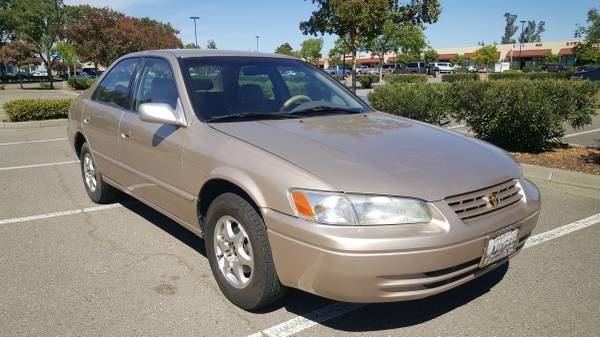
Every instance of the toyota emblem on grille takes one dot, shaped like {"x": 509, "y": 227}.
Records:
{"x": 493, "y": 199}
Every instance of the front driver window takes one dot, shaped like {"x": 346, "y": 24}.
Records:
{"x": 157, "y": 85}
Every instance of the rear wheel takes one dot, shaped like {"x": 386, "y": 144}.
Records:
{"x": 239, "y": 253}
{"x": 97, "y": 189}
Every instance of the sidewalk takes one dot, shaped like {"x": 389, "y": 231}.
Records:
{"x": 568, "y": 181}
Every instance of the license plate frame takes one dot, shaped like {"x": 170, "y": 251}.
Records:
{"x": 499, "y": 245}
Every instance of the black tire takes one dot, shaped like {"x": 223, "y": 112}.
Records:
{"x": 264, "y": 287}
{"x": 103, "y": 193}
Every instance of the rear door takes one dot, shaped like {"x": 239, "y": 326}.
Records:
{"x": 103, "y": 112}
{"x": 151, "y": 152}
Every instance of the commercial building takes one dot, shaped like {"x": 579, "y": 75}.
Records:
{"x": 525, "y": 54}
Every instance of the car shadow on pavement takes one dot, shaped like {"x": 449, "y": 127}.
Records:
{"x": 163, "y": 222}
{"x": 372, "y": 317}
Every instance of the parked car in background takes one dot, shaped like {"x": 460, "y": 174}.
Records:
{"x": 471, "y": 68}
{"x": 592, "y": 74}
{"x": 392, "y": 67}
{"x": 416, "y": 68}
{"x": 285, "y": 186}
{"x": 442, "y": 67}
{"x": 339, "y": 71}
{"x": 554, "y": 68}
{"x": 365, "y": 70}
{"x": 39, "y": 74}
{"x": 24, "y": 75}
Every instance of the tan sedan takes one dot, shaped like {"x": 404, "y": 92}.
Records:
{"x": 295, "y": 182}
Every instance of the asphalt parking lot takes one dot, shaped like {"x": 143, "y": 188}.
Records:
{"x": 69, "y": 267}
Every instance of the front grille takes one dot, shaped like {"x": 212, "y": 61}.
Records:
{"x": 472, "y": 205}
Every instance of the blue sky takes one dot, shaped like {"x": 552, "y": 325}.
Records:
{"x": 233, "y": 24}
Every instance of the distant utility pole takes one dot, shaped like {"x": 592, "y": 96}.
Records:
{"x": 521, "y": 45}
{"x": 195, "y": 31}
{"x": 257, "y": 43}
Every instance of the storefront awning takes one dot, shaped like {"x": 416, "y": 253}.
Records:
{"x": 447, "y": 57}
{"x": 515, "y": 53}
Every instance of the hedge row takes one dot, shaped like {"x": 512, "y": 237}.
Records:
{"x": 460, "y": 77}
{"x": 405, "y": 78}
{"x": 366, "y": 81}
{"x": 529, "y": 76}
{"x": 517, "y": 115}
{"x": 80, "y": 83}
{"x": 37, "y": 109}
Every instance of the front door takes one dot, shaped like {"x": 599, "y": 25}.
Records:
{"x": 152, "y": 152}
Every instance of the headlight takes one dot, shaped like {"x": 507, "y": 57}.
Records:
{"x": 354, "y": 209}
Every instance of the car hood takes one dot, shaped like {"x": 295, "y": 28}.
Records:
{"x": 380, "y": 153}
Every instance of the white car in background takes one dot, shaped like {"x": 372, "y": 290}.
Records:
{"x": 442, "y": 67}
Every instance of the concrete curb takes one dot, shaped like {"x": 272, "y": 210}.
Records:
{"x": 33, "y": 124}
{"x": 562, "y": 177}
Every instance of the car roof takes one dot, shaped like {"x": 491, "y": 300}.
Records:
{"x": 188, "y": 53}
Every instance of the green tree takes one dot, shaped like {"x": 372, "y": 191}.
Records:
{"x": 590, "y": 33}
{"x": 532, "y": 32}
{"x": 360, "y": 21}
{"x": 7, "y": 23}
{"x": 509, "y": 29}
{"x": 586, "y": 52}
{"x": 459, "y": 60}
{"x": 390, "y": 40}
{"x": 68, "y": 55}
{"x": 19, "y": 54}
{"x": 189, "y": 46}
{"x": 285, "y": 49}
{"x": 211, "y": 44}
{"x": 430, "y": 55}
{"x": 310, "y": 50}
{"x": 337, "y": 54}
{"x": 485, "y": 56}
{"x": 39, "y": 23}
{"x": 551, "y": 58}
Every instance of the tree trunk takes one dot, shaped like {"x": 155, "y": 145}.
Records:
{"x": 354, "y": 71}
{"x": 20, "y": 78}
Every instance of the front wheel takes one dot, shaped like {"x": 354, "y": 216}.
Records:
{"x": 239, "y": 253}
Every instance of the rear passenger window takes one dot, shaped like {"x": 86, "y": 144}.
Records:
{"x": 114, "y": 88}
{"x": 157, "y": 85}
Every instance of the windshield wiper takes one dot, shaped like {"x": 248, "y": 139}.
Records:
{"x": 249, "y": 116}
{"x": 323, "y": 109}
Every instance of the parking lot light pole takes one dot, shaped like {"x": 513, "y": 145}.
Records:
{"x": 195, "y": 31}
{"x": 257, "y": 43}
{"x": 521, "y": 45}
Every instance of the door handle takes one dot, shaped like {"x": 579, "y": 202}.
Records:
{"x": 86, "y": 120}
{"x": 125, "y": 134}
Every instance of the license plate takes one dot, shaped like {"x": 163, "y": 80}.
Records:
{"x": 500, "y": 245}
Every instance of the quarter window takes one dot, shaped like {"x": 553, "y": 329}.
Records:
{"x": 114, "y": 88}
{"x": 157, "y": 85}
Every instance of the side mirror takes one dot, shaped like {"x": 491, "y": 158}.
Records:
{"x": 161, "y": 113}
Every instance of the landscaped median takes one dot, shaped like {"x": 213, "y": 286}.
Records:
{"x": 517, "y": 115}
{"x": 37, "y": 109}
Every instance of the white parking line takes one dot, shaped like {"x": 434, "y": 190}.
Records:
{"x": 57, "y": 214}
{"x": 11, "y": 168}
{"x": 34, "y": 141}
{"x": 581, "y": 133}
{"x": 295, "y": 325}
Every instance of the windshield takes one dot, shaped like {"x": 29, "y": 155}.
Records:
{"x": 251, "y": 87}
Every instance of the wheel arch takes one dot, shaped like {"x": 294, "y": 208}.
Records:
{"x": 78, "y": 142}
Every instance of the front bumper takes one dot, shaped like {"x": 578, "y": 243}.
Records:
{"x": 390, "y": 263}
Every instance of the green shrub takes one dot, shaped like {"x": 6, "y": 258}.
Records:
{"x": 524, "y": 115}
{"x": 366, "y": 81}
{"x": 80, "y": 83}
{"x": 529, "y": 76}
{"x": 517, "y": 115}
{"x": 460, "y": 77}
{"x": 1, "y": 87}
{"x": 420, "y": 101}
{"x": 405, "y": 78}
{"x": 37, "y": 109}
